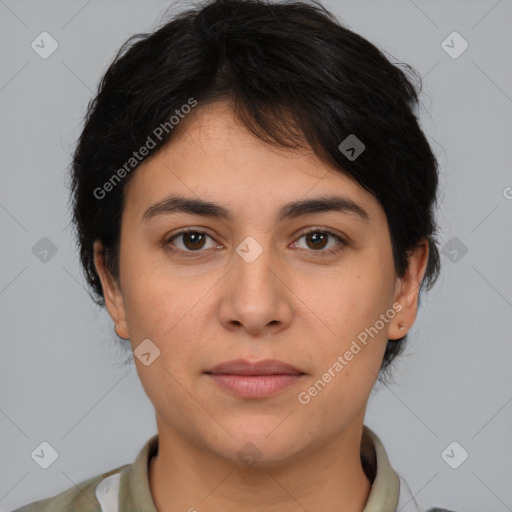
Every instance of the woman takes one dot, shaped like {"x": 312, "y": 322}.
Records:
{"x": 254, "y": 203}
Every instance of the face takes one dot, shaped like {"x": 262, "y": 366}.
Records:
{"x": 302, "y": 286}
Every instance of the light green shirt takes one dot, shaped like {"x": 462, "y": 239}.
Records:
{"x": 126, "y": 488}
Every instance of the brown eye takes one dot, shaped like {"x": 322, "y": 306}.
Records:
{"x": 318, "y": 239}
{"x": 191, "y": 241}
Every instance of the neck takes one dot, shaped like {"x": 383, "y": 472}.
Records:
{"x": 184, "y": 477}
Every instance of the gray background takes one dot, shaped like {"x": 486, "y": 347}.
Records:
{"x": 62, "y": 374}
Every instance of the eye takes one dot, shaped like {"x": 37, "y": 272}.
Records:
{"x": 317, "y": 239}
{"x": 192, "y": 241}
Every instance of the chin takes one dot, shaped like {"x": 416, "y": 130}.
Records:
{"x": 259, "y": 446}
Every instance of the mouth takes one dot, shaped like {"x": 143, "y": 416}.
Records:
{"x": 244, "y": 379}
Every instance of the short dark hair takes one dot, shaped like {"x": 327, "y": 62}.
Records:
{"x": 297, "y": 78}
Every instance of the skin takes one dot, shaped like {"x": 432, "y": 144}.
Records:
{"x": 295, "y": 303}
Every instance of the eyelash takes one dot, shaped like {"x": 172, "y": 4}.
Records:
{"x": 188, "y": 253}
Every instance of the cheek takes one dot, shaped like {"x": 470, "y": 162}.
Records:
{"x": 346, "y": 319}
{"x": 346, "y": 302}
{"x": 169, "y": 309}
{"x": 149, "y": 298}
{"x": 159, "y": 312}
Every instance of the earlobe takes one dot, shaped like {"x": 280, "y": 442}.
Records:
{"x": 111, "y": 292}
{"x": 407, "y": 290}
{"x": 122, "y": 332}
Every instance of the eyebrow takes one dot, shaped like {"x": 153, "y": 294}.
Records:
{"x": 295, "y": 209}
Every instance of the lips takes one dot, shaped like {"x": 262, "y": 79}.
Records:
{"x": 247, "y": 380}
{"x": 265, "y": 367}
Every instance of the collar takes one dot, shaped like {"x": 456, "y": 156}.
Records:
{"x": 129, "y": 489}
{"x": 389, "y": 491}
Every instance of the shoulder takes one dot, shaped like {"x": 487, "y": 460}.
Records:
{"x": 82, "y": 497}
{"x": 407, "y": 503}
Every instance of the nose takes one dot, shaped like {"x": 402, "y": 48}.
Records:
{"x": 256, "y": 297}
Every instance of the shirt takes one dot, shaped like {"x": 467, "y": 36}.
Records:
{"x": 126, "y": 488}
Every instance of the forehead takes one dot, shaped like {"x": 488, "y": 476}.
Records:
{"x": 217, "y": 158}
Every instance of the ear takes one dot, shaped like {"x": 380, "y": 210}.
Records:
{"x": 407, "y": 290}
{"x": 114, "y": 301}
